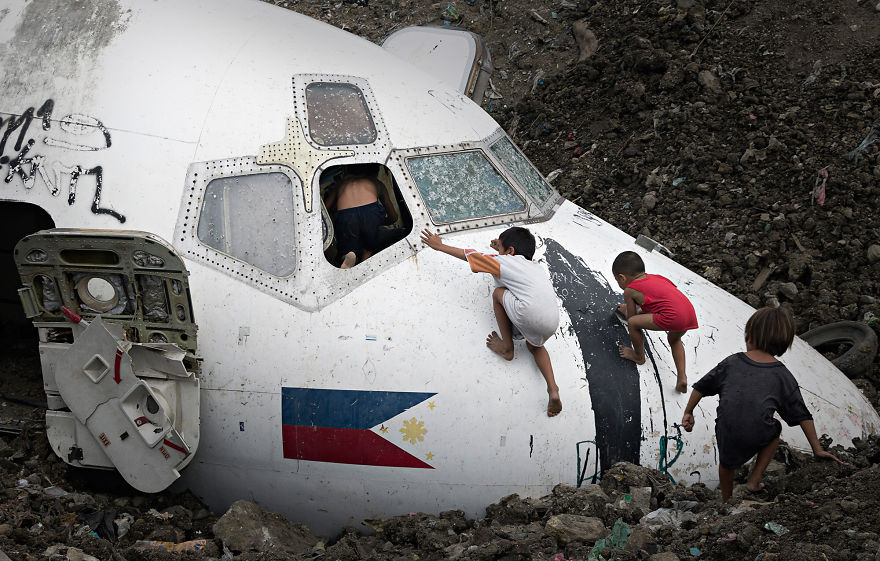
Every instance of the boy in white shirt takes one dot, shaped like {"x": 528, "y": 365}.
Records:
{"x": 524, "y": 298}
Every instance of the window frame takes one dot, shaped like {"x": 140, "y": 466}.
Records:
{"x": 379, "y": 148}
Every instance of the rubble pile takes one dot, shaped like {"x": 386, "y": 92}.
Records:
{"x": 807, "y": 510}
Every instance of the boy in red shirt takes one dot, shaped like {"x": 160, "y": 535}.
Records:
{"x": 661, "y": 307}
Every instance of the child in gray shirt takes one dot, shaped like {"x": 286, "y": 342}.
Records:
{"x": 752, "y": 386}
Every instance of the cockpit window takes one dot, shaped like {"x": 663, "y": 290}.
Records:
{"x": 462, "y": 186}
{"x": 250, "y": 217}
{"x": 338, "y": 115}
{"x": 520, "y": 168}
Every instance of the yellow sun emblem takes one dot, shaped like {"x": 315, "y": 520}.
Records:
{"x": 413, "y": 430}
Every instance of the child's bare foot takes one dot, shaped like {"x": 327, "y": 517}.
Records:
{"x": 497, "y": 344}
{"x": 629, "y": 354}
{"x": 554, "y": 405}
{"x": 349, "y": 261}
{"x": 621, "y": 309}
{"x": 681, "y": 385}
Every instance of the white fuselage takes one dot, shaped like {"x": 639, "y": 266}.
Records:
{"x": 157, "y": 99}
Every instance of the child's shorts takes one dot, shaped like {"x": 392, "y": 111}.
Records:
{"x": 536, "y": 325}
{"x": 735, "y": 448}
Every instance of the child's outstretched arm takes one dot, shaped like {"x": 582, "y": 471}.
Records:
{"x": 433, "y": 241}
{"x": 810, "y": 432}
{"x": 687, "y": 420}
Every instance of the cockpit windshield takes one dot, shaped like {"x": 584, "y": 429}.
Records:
{"x": 462, "y": 186}
{"x": 522, "y": 170}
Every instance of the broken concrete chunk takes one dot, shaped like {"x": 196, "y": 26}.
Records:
{"x": 567, "y": 528}
{"x": 247, "y": 527}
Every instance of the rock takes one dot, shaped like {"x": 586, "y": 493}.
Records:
{"x": 641, "y": 536}
{"x": 773, "y": 145}
{"x": 748, "y": 535}
{"x": 589, "y": 500}
{"x": 247, "y": 527}
{"x": 685, "y": 4}
{"x": 665, "y": 556}
{"x": 849, "y": 507}
{"x": 512, "y": 510}
{"x": 709, "y": 81}
{"x": 641, "y": 498}
{"x": 5, "y": 529}
{"x": 567, "y": 528}
{"x": 788, "y": 289}
{"x": 623, "y": 476}
{"x": 649, "y": 201}
{"x": 586, "y": 40}
{"x": 873, "y": 253}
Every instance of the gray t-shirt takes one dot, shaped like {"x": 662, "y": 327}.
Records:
{"x": 749, "y": 393}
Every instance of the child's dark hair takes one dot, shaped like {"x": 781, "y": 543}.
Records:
{"x": 628, "y": 263}
{"x": 770, "y": 330}
{"x": 520, "y": 239}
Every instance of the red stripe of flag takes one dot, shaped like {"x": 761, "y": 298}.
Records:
{"x": 344, "y": 446}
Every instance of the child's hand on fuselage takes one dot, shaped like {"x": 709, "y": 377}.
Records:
{"x": 687, "y": 422}
{"x": 431, "y": 239}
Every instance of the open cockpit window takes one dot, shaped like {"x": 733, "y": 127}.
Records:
{"x": 364, "y": 213}
{"x": 462, "y": 186}
{"x": 338, "y": 115}
{"x": 522, "y": 170}
{"x": 251, "y": 218}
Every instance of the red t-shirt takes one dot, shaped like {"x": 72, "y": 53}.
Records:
{"x": 672, "y": 310}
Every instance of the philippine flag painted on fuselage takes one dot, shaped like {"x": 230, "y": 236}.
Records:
{"x": 335, "y": 426}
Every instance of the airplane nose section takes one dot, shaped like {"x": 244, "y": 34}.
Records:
{"x": 590, "y": 304}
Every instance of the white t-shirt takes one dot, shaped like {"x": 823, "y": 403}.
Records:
{"x": 530, "y": 301}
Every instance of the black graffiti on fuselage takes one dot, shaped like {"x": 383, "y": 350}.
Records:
{"x": 613, "y": 381}
{"x": 27, "y": 167}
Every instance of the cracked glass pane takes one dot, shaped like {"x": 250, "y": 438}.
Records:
{"x": 462, "y": 186}
{"x": 520, "y": 168}
{"x": 250, "y": 217}
{"x": 338, "y": 115}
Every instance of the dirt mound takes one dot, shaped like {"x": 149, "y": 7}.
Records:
{"x": 807, "y": 509}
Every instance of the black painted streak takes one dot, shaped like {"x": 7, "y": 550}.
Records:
{"x": 19, "y": 163}
{"x": 98, "y": 172}
{"x": 45, "y": 111}
{"x": 614, "y": 381}
{"x": 23, "y": 121}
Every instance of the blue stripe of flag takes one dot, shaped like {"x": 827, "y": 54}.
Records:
{"x": 344, "y": 409}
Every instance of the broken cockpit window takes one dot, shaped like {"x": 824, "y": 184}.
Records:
{"x": 250, "y": 217}
{"x": 338, "y": 115}
{"x": 462, "y": 186}
{"x": 522, "y": 170}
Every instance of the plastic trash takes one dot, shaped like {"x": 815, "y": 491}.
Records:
{"x": 192, "y": 545}
{"x": 695, "y": 551}
{"x": 616, "y": 540}
{"x": 873, "y": 134}
{"x": 55, "y": 492}
{"x": 777, "y": 529}
{"x": 673, "y": 517}
{"x": 731, "y": 537}
{"x": 123, "y": 525}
